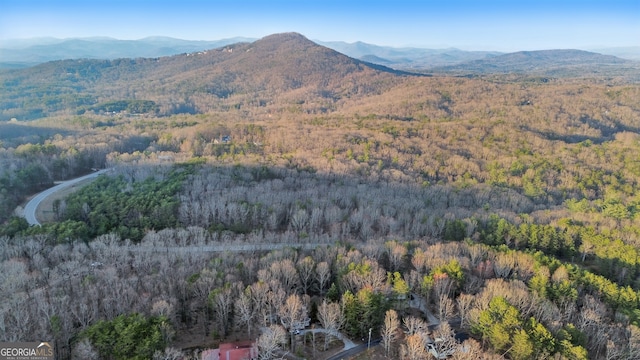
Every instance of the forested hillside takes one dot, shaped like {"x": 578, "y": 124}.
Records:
{"x": 310, "y": 189}
{"x": 284, "y": 67}
{"x": 558, "y": 63}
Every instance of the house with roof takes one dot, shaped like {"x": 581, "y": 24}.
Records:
{"x": 242, "y": 350}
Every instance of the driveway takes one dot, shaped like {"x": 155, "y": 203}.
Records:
{"x": 348, "y": 344}
{"x": 417, "y": 302}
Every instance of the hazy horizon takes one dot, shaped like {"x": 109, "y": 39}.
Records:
{"x": 463, "y": 24}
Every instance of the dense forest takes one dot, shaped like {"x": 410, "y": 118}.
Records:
{"x": 479, "y": 217}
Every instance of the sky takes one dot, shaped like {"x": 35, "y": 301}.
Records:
{"x": 497, "y": 25}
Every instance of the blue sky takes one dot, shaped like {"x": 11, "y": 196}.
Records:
{"x": 467, "y": 24}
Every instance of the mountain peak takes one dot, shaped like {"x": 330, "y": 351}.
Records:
{"x": 286, "y": 36}
{"x": 284, "y": 67}
{"x": 293, "y": 53}
{"x": 282, "y": 40}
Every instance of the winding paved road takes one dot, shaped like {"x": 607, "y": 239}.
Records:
{"x": 32, "y": 205}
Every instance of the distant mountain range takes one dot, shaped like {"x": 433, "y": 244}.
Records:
{"x": 555, "y": 63}
{"x": 407, "y": 58}
{"x": 277, "y": 69}
{"x": 629, "y": 53}
{"x": 29, "y": 52}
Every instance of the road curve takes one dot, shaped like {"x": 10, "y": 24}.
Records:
{"x": 32, "y": 205}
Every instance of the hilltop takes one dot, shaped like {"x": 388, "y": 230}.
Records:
{"x": 562, "y": 63}
{"x": 282, "y": 67}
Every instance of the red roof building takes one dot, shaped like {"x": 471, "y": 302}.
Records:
{"x": 243, "y": 350}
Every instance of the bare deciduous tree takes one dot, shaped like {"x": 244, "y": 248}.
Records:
{"x": 464, "y": 302}
{"x": 245, "y": 311}
{"x": 305, "y": 270}
{"x": 471, "y": 349}
{"x": 293, "y": 315}
{"x": 389, "y": 331}
{"x": 85, "y": 350}
{"x": 84, "y": 314}
{"x": 397, "y": 253}
{"x": 331, "y": 317}
{"x": 504, "y": 264}
{"x": 299, "y": 220}
{"x": 371, "y": 275}
{"x": 590, "y": 321}
{"x": 270, "y": 341}
{"x": 260, "y": 298}
{"x": 275, "y": 299}
{"x": 415, "y": 325}
{"x": 443, "y": 285}
{"x": 222, "y": 303}
{"x": 445, "y": 307}
{"x": 168, "y": 354}
{"x": 162, "y": 308}
{"x": 633, "y": 341}
{"x": 413, "y": 348}
{"x": 285, "y": 272}
{"x": 323, "y": 275}
{"x": 444, "y": 342}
